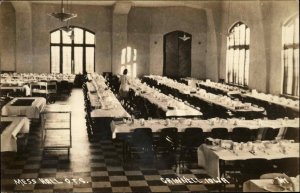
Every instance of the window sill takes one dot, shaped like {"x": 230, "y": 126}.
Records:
{"x": 290, "y": 96}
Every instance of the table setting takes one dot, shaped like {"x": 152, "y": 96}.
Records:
{"x": 168, "y": 104}
{"x": 102, "y": 99}
{"x": 281, "y": 183}
{"x": 293, "y": 104}
{"x": 227, "y": 150}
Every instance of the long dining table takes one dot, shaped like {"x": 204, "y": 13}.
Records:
{"x": 281, "y": 101}
{"x": 105, "y": 107}
{"x": 206, "y": 125}
{"x": 104, "y": 102}
{"x": 223, "y": 101}
{"x": 267, "y": 185}
{"x": 209, "y": 156}
{"x": 220, "y": 87}
{"x": 35, "y": 77}
{"x": 123, "y": 128}
{"x": 228, "y": 89}
{"x": 171, "y": 106}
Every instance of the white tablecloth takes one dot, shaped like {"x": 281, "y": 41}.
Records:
{"x": 9, "y": 135}
{"x": 162, "y": 101}
{"x": 219, "y": 86}
{"x": 34, "y": 77}
{"x": 31, "y": 112}
{"x": 103, "y": 100}
{"x": 263, "y": 185}
{"x": 118, "y": 112}
{"x": 209, "y": 156}
{"x": 224, "y": 101}
{"x": 14, "y": 88}
{"x": 293, "y": 104}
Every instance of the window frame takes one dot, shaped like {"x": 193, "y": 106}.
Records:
{"x": 83, "y": 45}
{"x": 235, "y": 62}
{"x": 292, "y": 21}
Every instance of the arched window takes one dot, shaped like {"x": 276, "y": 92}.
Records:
{"x": 290, "y": 57}
{"x": 237, "y": 57}
{"x": 72, "y": 53}
{"x": 128, "y": 61}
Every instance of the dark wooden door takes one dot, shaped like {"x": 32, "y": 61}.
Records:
{"x": 177, "y": 54}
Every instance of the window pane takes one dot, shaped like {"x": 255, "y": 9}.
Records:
{"x": 290, "y": 35}
{"x": 55, "y": 37}
{"x": 55, "y": 59}
{"x": 78, "y": 59}
{"x": 290, "y": 71}
{"x": 123, "y": 56}
{"x": 128, "y": 54}
{"x": 247, "y": 36}
{"x": 134, "y": 70}
{"x": 231, "y": 38}
{"x": 241, "y": 66}
{"x": 90, "y": 59}
{"x": 230, "y": 65}
{"x": 236, "y": 66}
{"x": 296, "y": 72}
{"x": 128, "y": 66}
{"x": 236, "y": 36}
{"x": 134, "y": 54}
{"x": 247, "y": 59}
{"x": 78, "y": 36}
{"x": 296, "y": 31}
{"x": 66, "y": 37}
{"x": 66, "y": 60}
{"x": 89, "y": 38}
{"x": 242, "y": 34}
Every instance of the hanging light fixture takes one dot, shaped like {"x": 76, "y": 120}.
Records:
{"x": 71, "y": 35}
{"x": 68, "y": 28}
{"x": 228, "y": 17}
{"x": 63, "y": 16}
{"x": 184, "y": 37}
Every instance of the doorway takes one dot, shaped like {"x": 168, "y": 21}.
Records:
{"x": 177, "y": 54}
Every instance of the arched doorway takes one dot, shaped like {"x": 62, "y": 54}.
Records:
{"x": 177, "y": 54}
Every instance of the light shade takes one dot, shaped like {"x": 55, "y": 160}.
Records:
{"x": 63, "y": 16}
{"x": 184, "y": 37}
{"x": 67, "y": 29}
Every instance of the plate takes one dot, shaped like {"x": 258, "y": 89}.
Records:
{"x": 273, "y": 188}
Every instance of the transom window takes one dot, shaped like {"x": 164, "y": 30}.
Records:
{"x": 237, "y": 56}
{"x": 72, "y": 52}
{"x": 290, "y": 57}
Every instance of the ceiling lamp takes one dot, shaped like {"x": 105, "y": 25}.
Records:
{"x": 184, "y": 37}
{"x": 63, "y": 16}
{"x": 67, "y": 28}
